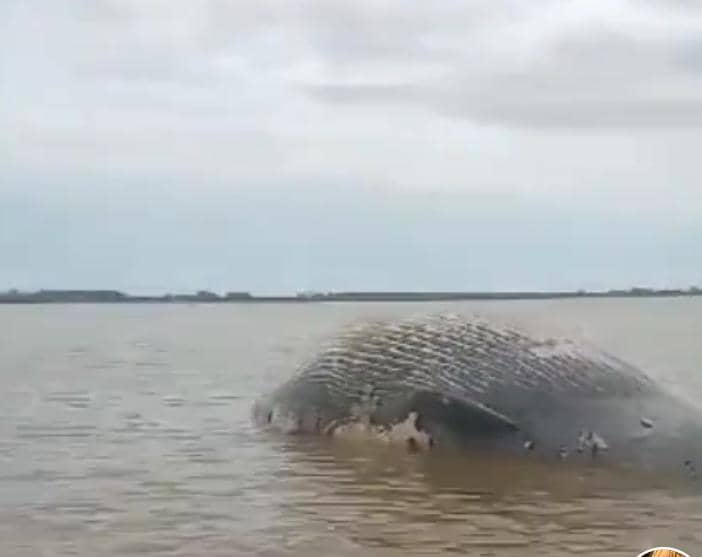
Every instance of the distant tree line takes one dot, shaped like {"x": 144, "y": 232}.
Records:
{"x": 207, "y": 296}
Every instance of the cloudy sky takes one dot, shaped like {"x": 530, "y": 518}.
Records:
{"x": 154, "y": 145}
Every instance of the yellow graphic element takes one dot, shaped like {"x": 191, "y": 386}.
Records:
{"x": 663, "y": 552}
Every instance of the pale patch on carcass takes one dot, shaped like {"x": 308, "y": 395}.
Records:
{"x": 408, "y": 433}
{"x": 403, "y": 433}
{"x": 591, "y": 441}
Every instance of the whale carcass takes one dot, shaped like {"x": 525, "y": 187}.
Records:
{"x": 452, "y": 381}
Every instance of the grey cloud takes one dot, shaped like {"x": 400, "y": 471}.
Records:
{"x": 256, "y": 91}
{"x": 496, "y": 107}
{"x": 512, "y": 63}
{"x": 393, "y": 94}
{"x": 610, "y": 113}
{"x": 347, "y": 32}
{"x": 592, "y": 74}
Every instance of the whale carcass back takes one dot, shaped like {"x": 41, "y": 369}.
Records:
{"x": 472, "y": 383}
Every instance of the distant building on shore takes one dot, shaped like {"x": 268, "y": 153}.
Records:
{"x": 80, "y": 296}
{"x": 237, "y": 296}
{"x": 313, "y": 295}
{"x": 200, "y": 296}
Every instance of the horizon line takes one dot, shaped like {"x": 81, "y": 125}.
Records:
{"x": 118, "y": 296}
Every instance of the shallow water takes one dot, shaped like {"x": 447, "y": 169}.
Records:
{"x": 125, "y": 430}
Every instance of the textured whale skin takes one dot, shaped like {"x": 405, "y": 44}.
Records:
{"x": 473, "y": 385}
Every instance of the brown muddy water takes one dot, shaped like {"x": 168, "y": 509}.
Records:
{"x": 125, "y": 430}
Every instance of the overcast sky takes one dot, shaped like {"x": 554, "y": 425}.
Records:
{"x": 153, "y": 145}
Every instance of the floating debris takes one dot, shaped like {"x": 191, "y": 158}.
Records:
{"x": 529, "y": 445}
{"x": 646, "y": 423}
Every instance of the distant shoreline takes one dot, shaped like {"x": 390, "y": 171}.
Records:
{"x": 117, "y": 297}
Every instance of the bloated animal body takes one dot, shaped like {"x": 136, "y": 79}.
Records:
{"x": 450, "y": 381}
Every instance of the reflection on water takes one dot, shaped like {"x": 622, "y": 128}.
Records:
{"x": 126, "y": 431}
